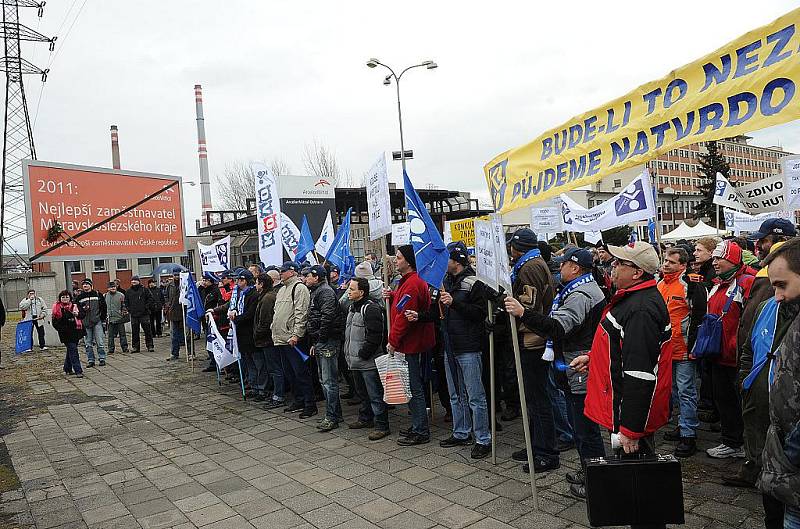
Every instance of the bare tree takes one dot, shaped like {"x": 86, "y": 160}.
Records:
{"x": 236, "y": 183}
{"x": 319, "y": 160}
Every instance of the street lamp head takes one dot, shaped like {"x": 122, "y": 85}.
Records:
{"x": 430, "y": 65}
{"x": 372, "y": 63}
{"x": 387, "y": 80}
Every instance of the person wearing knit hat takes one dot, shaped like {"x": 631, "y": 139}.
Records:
{"x": 364, "y": 269}
{"x": 463, "y": 298}
{"x": 411, "y": 338}
{"x": 734, "y": 284}
{"x": 533, "y": 285}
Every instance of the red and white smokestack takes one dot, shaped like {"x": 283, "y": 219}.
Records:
{"x": 202, "y": 153}
{"x": 115, "y": 148}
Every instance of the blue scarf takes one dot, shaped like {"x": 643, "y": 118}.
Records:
{"x": 532, "y": 254}
{"x": 240, "y": 300}
{"x": 549, "y": 353}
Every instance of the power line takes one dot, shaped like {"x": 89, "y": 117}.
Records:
{"x": 78, "y": 14}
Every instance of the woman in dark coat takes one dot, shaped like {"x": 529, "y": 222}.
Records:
{"x": 67, "y": 321}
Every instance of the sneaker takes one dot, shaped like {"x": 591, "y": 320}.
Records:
{"x": 687, "y": 447}
{"x": 377, "y": 435}
{"x": 171, "y": 358}
{"x": 326, "y": 425}
{"x": 308, "y": 413}
{"x": 406, "y": 433}
{"x": 520, "y": 455}
{"x": 293, "y": 408}
{"x": 724, "y": 451}
{"x": 414, "y": 439}
{"x": 578, "y": 490}
{"x": 542, "y": 465}
{"x": 480, "y": 451}
{"x": 452, "y": 441}
{"x": 673, "y": 435}
{"x": 79, "y": 375}
{"x": 577, "y": 477}
{"x": 102, "y": 363}
{"x": 90, "y": 364}
{"x": 45, "y": 348}
{"x": 274, "y": 404}
{"x": 358, "y": 425}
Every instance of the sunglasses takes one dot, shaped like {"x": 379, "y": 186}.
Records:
{"x": 620, "y": 262}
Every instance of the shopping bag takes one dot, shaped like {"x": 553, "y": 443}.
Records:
{"x": 24, "y": 336}
{"x": 393, "y": 370}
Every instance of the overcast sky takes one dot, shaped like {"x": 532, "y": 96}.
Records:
{"x": 279, "y": 75}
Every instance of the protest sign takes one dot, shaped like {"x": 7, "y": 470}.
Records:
{"x": 790, "y": 166}
{"x": 462, "y": 230}
{"x": 214, "y": 257}
{"x": 738, "y": 221}
{"x": 762, "y": 196}
{"x": 547, "y": 217}
{"x": 401, "y": 234}
{"x": 378, "y": 202}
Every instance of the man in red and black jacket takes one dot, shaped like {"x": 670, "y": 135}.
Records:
{"x": 411, "y": 338}
{"x": 630, "y": 373}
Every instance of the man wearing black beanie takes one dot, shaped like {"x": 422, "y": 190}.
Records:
{"x": 533, "y": 285}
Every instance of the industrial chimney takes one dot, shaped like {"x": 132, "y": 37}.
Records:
{"x": 115, "y": 148}
{"x": 205, "y": 182}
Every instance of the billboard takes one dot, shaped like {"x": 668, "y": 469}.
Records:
{"x": 79, "y": 197}
{"x": 311, "y": 196}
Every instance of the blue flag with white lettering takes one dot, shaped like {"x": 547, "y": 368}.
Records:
{"x": 306, "y": 243}
{"x": 429, "y": 248}
{"x": 339, "y": 253}
{"x": 194, "y": 306}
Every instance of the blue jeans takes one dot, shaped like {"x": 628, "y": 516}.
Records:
{"x": 560, "y": 414}
{"x": 272, "y": 355}
{"x": 791, "y": 518}
{"x": 536, "y": 380}
{"x": 329, "y": 378}
{"x": 417, "y": 407}
{"x": 296, "y": 372}
{"x": 467, "y": 395}
{"x": 588, "y": 439}
{"x": 96, "y": 336}
{"x": 369, "y": 389}
{"x": 72, "y": 360}
{"x": 178, "y": 338}
{"x": 684, "y": 391}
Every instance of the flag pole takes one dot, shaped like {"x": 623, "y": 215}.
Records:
{"x": 524, "y": 405}
{"x": 183, "y": 322}
{"x": 241, "y": 376}
{"x": 385, "y": 273}
{"x": 493, "y": 411}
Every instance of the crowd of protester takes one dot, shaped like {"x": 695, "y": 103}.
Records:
{"x": 607, "y": 338}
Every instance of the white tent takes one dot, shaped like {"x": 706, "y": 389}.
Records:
{"x": 685, "y": 232}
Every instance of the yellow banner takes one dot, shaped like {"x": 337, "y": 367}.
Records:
{"x": 746, "y": 85}
{"x": 464, "y": 231}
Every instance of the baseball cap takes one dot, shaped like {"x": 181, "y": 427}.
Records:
{"x": 782, "y": 227}
{"x": 245, "y": 274}
{"x": 319, "y": 271}
{"x": 336, "y": 269}
{"x": 458, "y": 252}
{"x": 111, "y": 284}
{"x": 290, "y": 265}
{"x": 640, "y": 253}
{"x": 579, "y": 256}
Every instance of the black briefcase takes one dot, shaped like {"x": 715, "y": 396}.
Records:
{"x": 634, "y": 491}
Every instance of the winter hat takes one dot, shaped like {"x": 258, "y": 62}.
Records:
{"x": 364, "y": 269}
{"x": 524, "y": 239}
{"x": 407, "y": 251}
{"x": 135, "y": 278}
{"x": 86, "y": 281}
{"x": 111, "y": 284}
{"x": 459, "y": 253}
{"x": 210, "y": 277}
{"x": 728, "y": 250}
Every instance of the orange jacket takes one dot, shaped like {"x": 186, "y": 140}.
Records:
{"x": 685, "y": 297}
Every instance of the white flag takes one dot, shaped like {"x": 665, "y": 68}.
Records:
{"x": 290, "y": 235}
{"x": 326, "y": 237}
{"x": 217, "y": 345}
{"x": 214, "y": 257}
{"x": 232, "y": 342}
{"x": 184, "y": 288}
{"x": 268, "y": 215}
{"x": 635, "y": 203}
{"x": 738, "y": 221}
{"x": 378, "y": 202}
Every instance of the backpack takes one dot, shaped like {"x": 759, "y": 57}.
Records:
{"x": 709, "y": 333}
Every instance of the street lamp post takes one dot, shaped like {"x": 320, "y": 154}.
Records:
{"x": 372, "y": 63}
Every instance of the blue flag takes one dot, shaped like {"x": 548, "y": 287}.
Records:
{"x": 339, "y": 252}
{"x": 651, "y": 230}
{"x": 24, "y": 336}
{"x": 429, "y": 248}
{"x": 632, "y": 239}
{"x": 306, "y": 243}
{"x": 194, "y": 306}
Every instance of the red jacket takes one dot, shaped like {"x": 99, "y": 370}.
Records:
{"x": 405, "y": 336}
{"x": 730, "y": 323}
{"x": 630, "y": 372}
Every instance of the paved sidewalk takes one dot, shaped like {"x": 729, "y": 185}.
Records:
{"x": 146, "y": 443}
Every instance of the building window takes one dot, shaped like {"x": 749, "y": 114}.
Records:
{"x": 146, "y": 266}
{"x": 99, "y": 265}
{"x": 122, "y": 264}
{"x": 187, "y": 261}
{"x": 618, "y": 183}
{"x": 73, "y": 267}
{"x": 165, "y": 260}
